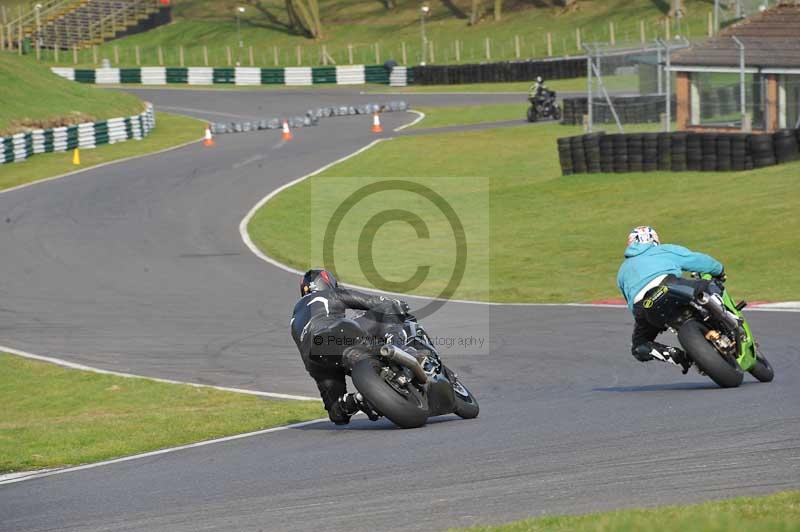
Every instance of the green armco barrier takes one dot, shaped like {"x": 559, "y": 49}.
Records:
{"x": 130, "y": 75}
{"x": 84, "y": 75}
{"x": 177, "y": 75}
{"x": 224, "y": 75}
{"x": 272, "y": 76}
{"x": 61, "y": 139}
{"x": 376, "y": 74}
{"x": 323, "y": 75}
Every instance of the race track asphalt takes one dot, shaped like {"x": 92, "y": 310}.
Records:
{"x": 139, "y": 267}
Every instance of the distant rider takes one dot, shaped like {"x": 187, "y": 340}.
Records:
{"x": 538, "y": 89}
{"x": 330, "y": 343}
{"x": 647, "y": 266}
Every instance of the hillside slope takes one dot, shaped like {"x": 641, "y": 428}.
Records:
{"x": 365, "y": 23}
{"x": 31, "y": 96}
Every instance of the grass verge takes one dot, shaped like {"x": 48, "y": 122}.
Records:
{"x": 54, "y": 416}
{"x": 171, "y": 130}
{"x": 774, "y": 513}
{"x": 31, "y": 96}
{"x": 469, "y": 114}
{"x": 551, "y": 238}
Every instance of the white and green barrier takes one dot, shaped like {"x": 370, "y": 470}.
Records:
{"x": 294, "y": 76}
{"x": 19, "y": 147}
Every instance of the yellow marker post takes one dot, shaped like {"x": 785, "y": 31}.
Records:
{"x": 76, "y": 157}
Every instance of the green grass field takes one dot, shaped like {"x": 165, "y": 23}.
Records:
{"x": 31, "y": 96}
{"x": 470, "y": 114}
{"x": 171, "y": 130}
{"x": 363, "y": 23}
{"x": 552, "y": 238}
{"x": 773, "y": 513}
{"x": 56, "y": 417}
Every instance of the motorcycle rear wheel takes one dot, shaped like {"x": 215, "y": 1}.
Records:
{"x": 407, "y": 412}
{"x": 692, "y": 337}
{"x": 763, "y": 369}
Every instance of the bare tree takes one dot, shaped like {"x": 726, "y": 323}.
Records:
{"x": 476, "y": 12}
{"x": 304, "y": 17}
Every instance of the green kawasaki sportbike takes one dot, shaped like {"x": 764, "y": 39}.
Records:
{"x": 712, "y": 330}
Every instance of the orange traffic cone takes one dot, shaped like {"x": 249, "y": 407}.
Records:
{"x": 287, "y": 133}
{"x": 376, "y": 124}
{"x": 208, "y": 139}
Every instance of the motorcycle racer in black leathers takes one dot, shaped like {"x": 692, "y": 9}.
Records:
{"x": 330, "y": 343}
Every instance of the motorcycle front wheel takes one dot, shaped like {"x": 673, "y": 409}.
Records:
{"x": 406, "y": 410}
{"x": 466, "y": 403}
{"x": 532, "y": 117}
{"x": 763, "y": 369}
{"x": 725, "y": 373}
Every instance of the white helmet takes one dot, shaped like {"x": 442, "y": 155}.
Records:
{"x": 539, "y": 79}
{"x": 644, "y": 234}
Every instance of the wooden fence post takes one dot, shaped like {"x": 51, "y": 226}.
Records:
{"x": 578, "y": 43}
{"x": 275, "y": 55}
{"x": 549, "y": 44}
{"x": 349, "y": 54}
{"x": 377, "y": 54}
{"x": 517, "y": 51}
{"x": 138, "y": 55}
{"x": 433, "y": 57}
{"x": 252, "y": 59}
{"x": 488, "y": 48}
{"x": 180, "y": 55}
{"x": 299, "y": 56}
{"x": 710, "y": 24}
{"x": 458, "y": 51}
{"x": 403, "y": 50}
{"x": 55, "y": 54}
{"x": 642, "y": 34}
{"x": 612, "y": 35}
{"x": 205, "y": 55}
{"x": 160, "y": 56}
{"x": 228, "y": 55}
{"x": 94, "y": 54}
{"x": 116, "y": 54}
{"x": 667, "y": 28}
{"x": 74, "y": 54}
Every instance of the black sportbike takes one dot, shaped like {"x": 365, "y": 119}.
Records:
{"x": 408, "y": 383}
{"x": 543, "y": 105}
{"x": 712, "y": 330}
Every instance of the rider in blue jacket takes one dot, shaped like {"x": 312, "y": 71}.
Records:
{"x": 649, "y": 264}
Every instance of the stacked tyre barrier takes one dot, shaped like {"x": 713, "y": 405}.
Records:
{"x": 630, "y": 109}
{"x": 677, "y": 152}
{"x": 338, "y": 75}
{"x": 310, "y": 118}
{"x": 16, "y": 148}
{"x": 556, "y": 68}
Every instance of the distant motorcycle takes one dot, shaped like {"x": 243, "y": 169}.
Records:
{"x": 409, "y": 388}
{"x": 543, "y": 105}
{"x": 712, "y": 331}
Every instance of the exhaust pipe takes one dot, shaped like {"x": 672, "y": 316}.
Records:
{"x": 398, "y": 356}
{"x": 714, "y": 305}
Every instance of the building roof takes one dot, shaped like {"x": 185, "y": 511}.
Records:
{"x": 771, "y": 39}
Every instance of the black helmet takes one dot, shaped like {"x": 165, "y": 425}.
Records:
{"x": 316, "y": 281}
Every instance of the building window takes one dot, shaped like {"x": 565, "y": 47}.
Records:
{"x": 717, "y": 102}
{"x": 790, "y": 101}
